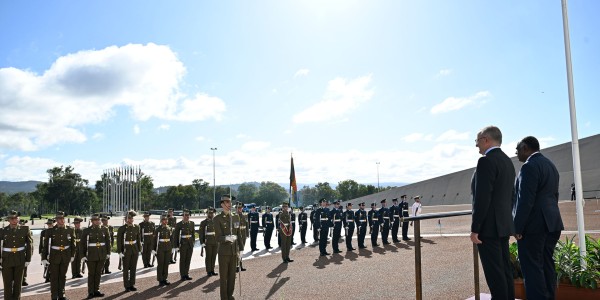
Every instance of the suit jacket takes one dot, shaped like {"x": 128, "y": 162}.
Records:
{"x": 492, "y": 189}
{"x": 536, "y": 197}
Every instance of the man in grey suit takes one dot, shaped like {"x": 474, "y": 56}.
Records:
{"x": 492, "y": 225}
{"x": 537, "y": 219}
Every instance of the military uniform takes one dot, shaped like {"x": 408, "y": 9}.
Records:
{"x": 395, "y": 214}
{"x": 284, "y": 226}
{"x": 163, "y": 249}
{"x": 185, "y": 238}
{"x": 348, "y": 220}
{"x": 95, "y": 250}
{"x": 244, "y": 229}
{"x": 303, "y": 223}
{"x": 147, "y": 231}
{"x": 228, "y": 235}
{"x": 59, "y": 251}
{"x": 129, "y": 246}
{"x": 76, "y": 264}
{"x": 373, "y": 217}
{"x": 172, "y": 221}
{"x": 293, "y": 221}
{"x": 360, "y": 217}
{"x": 49, "y": 223}
{"x": 404, "y": 214}
{"x": 384, "y": 220}
{"x": 22, "y": 223}
{"x": 322, "y": 225}
{"x": 15, "y": 255}
{"x": 267, "y": 223}
{"x": 209, "y": 242}
{"x": 111, "y": 232}
{"x": 313, "y": 222}
{"x": 253, "y": 219}
{"x": 335, "y": 215}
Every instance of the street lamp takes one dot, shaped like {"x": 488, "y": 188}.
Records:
{"x": 377, "y": 163}
{"x": 214, "y": 185}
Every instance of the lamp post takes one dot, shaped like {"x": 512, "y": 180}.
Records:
{"x": 214, "y": 185}
{"x": 377, "y": 163}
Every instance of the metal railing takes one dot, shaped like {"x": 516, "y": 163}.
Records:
{"x": 417, "y": 235}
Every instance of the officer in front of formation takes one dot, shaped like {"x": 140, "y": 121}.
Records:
{"x": 360, "y": 216}
{"x": 59, "y": 253}
{"x": 303, "y": 223}
{"x": 95, "y": 250}
{"x": 49, "y": 225}
{"x": 208, "y": 241}
{"x": 16, "y": 242}
{"x": 267, "y": 224}
{"x": 162, "y": 249}
{"x": 171, "y": 221}
{"x": 253, "y": 220}
{"x": 322, "y": 225}
{"x": 228, "y": 236}
{"x": 404, "y": 214}
{"x": 384, "y": 220}
{"x": 129, "y": 246}
{"x": 185, "y": 238}
{"x": 348, "y": 220}
{"x": 111, "y": 232}
{"x": 395, "y": 213}
{"x": 335, "y": 215}
{"x": 243, "y": 228}
{"x": 76, "y": 264}
{"x": 284, "y": 226}
{"x": 147, "y": 231}
{"x": 313, "y": 222}
{"x": 373, "y": 217}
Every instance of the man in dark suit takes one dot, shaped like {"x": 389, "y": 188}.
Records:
{"x": 491, "y": 226}
{"x": 537, "y": 219}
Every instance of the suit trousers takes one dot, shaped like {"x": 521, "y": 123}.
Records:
{"x": 253, "y": 235}
{"x": 323, "y": 239}
{"x": 349, "y": 234}
{"x": 335, "y": 238}
{"x": 303, "y": 233}
{"x": 147, "y": 251}
{"x": 286, "y": 244}
{"x": 227, "y": 266}
{"x": 268, "y": 234}
{"x": 495, "y": 260}
{"x": 163, "y": 259}
{"x": 12, "y": 278}
{"x": 374, "y": 234}
{"x": 185, "y": 259}
{"x": 211, "y": 257}
{"x": 395, "y": 227}
{"x": 76, "y": 264}
{"x": 385, "y": 232}
{"x": 405, "y": 230}
{"x": 362, "y": 232}
{"x": 58, "y": 278}
{"x": 536, "y": 256}
{"x": 315, "y": 233}
{"x": 94, "y": 274}
{"x": 130, "y": 266}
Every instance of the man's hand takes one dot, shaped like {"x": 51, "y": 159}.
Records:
{"x": 26, "y": 264}
{"x": 121, "y": 255}
{"x": 83, "y": 260}
{"x": 45, "y": 262}
{"x": 72, "y": 259}
{"x": 518, "y": 236}
{"x": 174, "y": 250}
{"x": 153, "y": 252}
{"x": 475, "y": 238}
{"x": 107, "y": 256}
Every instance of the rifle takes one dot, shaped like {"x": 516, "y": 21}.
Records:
{"x": 120, "y": 261}
{"x": 202, "y": 252}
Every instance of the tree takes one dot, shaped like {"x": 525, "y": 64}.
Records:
{"x": 204, "y": 192}
{"x": 308, "y": 195}
{"x": 65, "y": 190}
{"x": 271, "y": 194}
{"x": 347, "y": 189}
{"x": 324, "y": 190}
{"x": 247, "y": 192}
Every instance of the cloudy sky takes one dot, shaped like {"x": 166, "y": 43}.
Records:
{"x": 343, "y": 85}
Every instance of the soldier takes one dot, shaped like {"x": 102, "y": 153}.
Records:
{"x": 147, "y": 231}
{"x": 243, "y": 228}
{"x": 172, "y": 221}
{"x": 253, "y": 218}
{"x": 111, "y": 232}
{"x": 384, "y": 220}
{"x": 395, "y": 213}
{"x": 76, "y": 264}
{"x": 208, "y": 241}
{"x": 404, "y": 212}
{"x": 16, "y": 245}
{"x": 322, "y": 225}
{"x": 185, "y": 238}
{"x": 285, "y": 232}
{"x": 49, "y": 224}
{"x": 373, "y": 217}
{"x": 162, "y": 249}
{"x": 59, "y": 245}
{"x": 129, "y": 246}
{"x": 313, "y": 221}
{"x": 303, "y": 221}
{"x": 335, "y": 215}
{"x": 267, "y": 223}
{"x": 348, "y": 220}
{"x": 293, "y": 218}
{"x": 228, "y": 236}
{"x": 276, "y": 225}
{"x": 22, "y": 223}
{"x": 95, "y": 249}
{"x": 361, "y": 222}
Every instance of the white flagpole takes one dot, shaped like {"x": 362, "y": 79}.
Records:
{"x": 574, "y": 137}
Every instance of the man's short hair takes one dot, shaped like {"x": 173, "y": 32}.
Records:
{"x": 532, "y": 143}
{"x": 492, "y": 132}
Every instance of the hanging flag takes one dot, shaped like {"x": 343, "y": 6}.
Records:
{"x": 293, "y": 178}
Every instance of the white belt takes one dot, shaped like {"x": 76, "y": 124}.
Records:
{"x": 293, "y": 222}
{"x": 60, "y": 247}
{"x": 187, "y": 236}
{"x": 242, "y": 227}
{"x": 253, "y": 221}
{"x": 386, "y": 218}
{"x": 130, "y": 242}
{"x": 362, "y": 221}
{"x": 148, "y": 233}
{"x": 165, "y": 240}
{"x": 375, "y": 219}
{"x": 96, "y": 244}
{"x": 324, "y": 219}
{"x": 13, "y": 250}
{"x": 77, "y": 240}
{"x": 210, "y": 233}
{"x": 405, "y": 210}
{"x": 350, "y": 221}
{"x": 397, "y": 216}
{"x": 337, "y": 220}
{"x": 286, "y": 224}
{"x": 268, "y": 222}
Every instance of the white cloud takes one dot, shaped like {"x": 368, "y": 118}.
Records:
{"x": 164, "y": 127}
{"x": 443, "y": 72}
{"x": 341, "y": 97}
{"x": 200, "y": 138}
{"x": 453, "y": 135}
{"x": 98, "y": 136}
{"x": 136, "y": 129}
{"x": 417, "y": 136}
{"x": 85, "y": 87}
{"x": 453, "y": 103}
{"x": 242, "y": 136}
{"x": 255, "y": 146}
{"x": 301, "y": 72}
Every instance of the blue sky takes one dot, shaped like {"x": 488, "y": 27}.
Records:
{"x": 340, "y": 84}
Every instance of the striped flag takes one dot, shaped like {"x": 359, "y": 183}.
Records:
{"x": 293, "y": 184}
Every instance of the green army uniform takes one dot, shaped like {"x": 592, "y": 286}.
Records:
{"x": 76, "y": 264}
{"x": 15, "y": 256}
{"x": 129, "y": 246}
{"x": 147, "y": 231}
{"x": 209, "y": 242}
{"x": 22, "y": 223}
{"x": 172, "y": 221}
{"x": 244, "y": 229}
{"x": 59, "y": 245}
{"x": 95, "y": 247}
{"x": 111, "y": 232}
{"x": 228, "y": 235}
{"x": 49, "y": 223}
{"x": 285, "y": 233}
{"x": 185, "y": 238}
{"x": 162, "y": 248}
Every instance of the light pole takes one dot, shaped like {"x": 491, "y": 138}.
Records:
{"x": 214, "y": 185}
{"x": 377, "y": 163}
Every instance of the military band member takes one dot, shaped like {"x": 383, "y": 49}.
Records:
{"x": 336, "y": 219}
{"x": 228, "y": 236}
{"x": 209, "y": 242}
{"x": 373, "y": 217}
{"x": 111, "y": 232}
{"x": 284, "y": 226}
{"x": 313, "y": 222}
{"x": 129, "y": 246}
{"x": 172, "y": 221}
{"x": 49, "y": 224}
{"x": 361, "y": 224}
{"x": 95, "y": 250}
{"x": 303, "y": 223}
{"x": 185, "y": 238}
{"x": 395, "y": 213}
{"x": 267, "y": 224}
{"x": 253, "y": 220}
{"x": 243, "y": 228}
{"x": 322, "y": 224}
{"x": 404, "y": 214}
{"x": 76, "y": 264}
{"x": 348, "y": 220}
{"x": 15, "y": 255}
{"x": 162, "y": 249}
{"x": 147, "y": 232}
{"x": 384, "y": 220}
{"x": 59, "y": 253}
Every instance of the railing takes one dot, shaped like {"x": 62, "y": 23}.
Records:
{"x": 417, "y": 226}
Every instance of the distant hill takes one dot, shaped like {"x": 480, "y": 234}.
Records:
{"x": 10, "y": 187}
